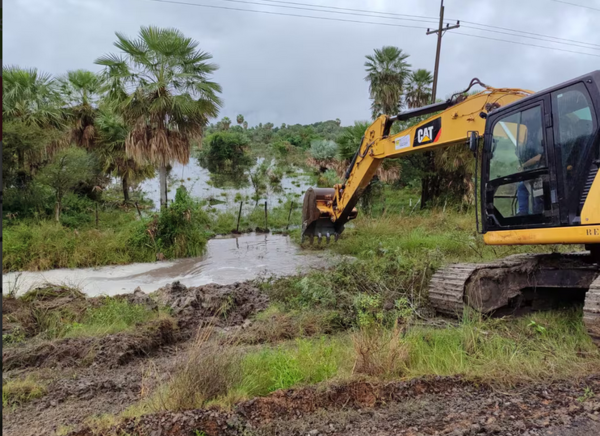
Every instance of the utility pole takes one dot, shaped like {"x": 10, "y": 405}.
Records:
{"x": 440, "y": 32}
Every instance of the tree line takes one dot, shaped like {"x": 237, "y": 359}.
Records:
{"x": 151, "y": 101}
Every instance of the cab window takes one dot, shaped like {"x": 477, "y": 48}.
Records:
{"x": 573, "y": 130}
{"x": 518, "y": 147}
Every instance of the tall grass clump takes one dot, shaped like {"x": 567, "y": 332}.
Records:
{"x": 47, "y": 245}
{"x": 19, "y": 391}
{"x": 178, "y": 231}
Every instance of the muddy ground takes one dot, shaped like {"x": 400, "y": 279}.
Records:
{"x": 88, "y": 377}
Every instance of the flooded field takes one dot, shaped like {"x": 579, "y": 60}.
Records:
{"x": 225, "y": 192}
{"x": 227, "y": 260}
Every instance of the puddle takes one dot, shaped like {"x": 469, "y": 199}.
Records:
{"x": 198, "y": 182}
{"x": 227, "y": 260}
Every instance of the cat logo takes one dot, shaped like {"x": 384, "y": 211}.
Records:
{"x": 428, "y": 133}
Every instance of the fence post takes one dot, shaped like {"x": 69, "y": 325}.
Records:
{"x": 237, "y": 229}
{"x": 266, "y": 218}
{"x": 290, "y": 215}
{"x": 138, "y": 209}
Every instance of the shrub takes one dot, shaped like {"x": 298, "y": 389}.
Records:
{"x": 322, "y": 149}
{"x": 178, "y": 231}
{"x": 225, "y": 151}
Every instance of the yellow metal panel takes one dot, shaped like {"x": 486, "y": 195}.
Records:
{"x": 590, "y": 214}
{"x": 556, "y": 235}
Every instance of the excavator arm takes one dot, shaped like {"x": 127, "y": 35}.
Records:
{"x": 326, "y": 210}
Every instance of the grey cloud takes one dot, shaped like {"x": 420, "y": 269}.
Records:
{"x": 296, "y": 70}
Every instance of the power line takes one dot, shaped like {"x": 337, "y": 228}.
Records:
{"x": 524, "y": 43}
{"x": 389, "y": 15}
{"x": 428, "y": 20}
{"x": 284, "y": 14}
{"x": 529, "y": 33}
{"x": 532, "y": 37}
{"x": 575, "y": 4}
{"x": 177, "y": 2}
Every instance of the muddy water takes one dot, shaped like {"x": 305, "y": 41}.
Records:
{"x": 197, "y": 181}
{"x": 227, "y": 260}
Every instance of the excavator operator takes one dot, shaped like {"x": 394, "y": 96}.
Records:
{"x": 531, "y": 156}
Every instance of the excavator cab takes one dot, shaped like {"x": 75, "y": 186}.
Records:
{"x": 541, "y": 155}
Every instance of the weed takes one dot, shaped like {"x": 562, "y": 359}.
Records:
{"x": 588, "y": 393}
{"x": 539, "y": 329}
{"x": 380, "y": 352}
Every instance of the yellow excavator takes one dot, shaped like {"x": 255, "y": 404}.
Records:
{"x": 537, "y": 163}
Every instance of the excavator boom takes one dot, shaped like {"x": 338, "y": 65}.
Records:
{"x": 326, "y": 211}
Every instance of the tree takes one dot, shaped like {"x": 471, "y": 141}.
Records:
{"x": 418, "y": 92}
{"x": 350, "y": 139}
{"x": 225, "y": 152}
{"x": 81, "y": 90}
{"x": 112, "y": 135}
{"x": 226, "y": 122}
{"x": 68, "y": 168}
{"x": 245, "y": 125}
{"x": 240, "y": 119}
{"x": 387, "y": 71}
{"x": 323, "y": 149}
{"x": 32, "y": 104}
{"x": 172, "y": 96}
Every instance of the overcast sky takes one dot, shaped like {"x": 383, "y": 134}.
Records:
{"x": 297, "y": 70}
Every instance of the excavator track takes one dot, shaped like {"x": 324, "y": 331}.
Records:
{"x": 518, "y": 281}
{"x": 591, "y": 311}
{"x": 447, "y": 288}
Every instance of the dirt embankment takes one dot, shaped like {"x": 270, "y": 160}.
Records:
{"x": 216, "y": 305}
{"x": 91, "y": 376}
{"x": 434, "y": 406}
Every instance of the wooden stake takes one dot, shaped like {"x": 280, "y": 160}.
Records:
{"x": 237, "y": 229}
{"x": 290, "y": 215}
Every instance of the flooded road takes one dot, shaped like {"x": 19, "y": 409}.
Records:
{"x": 227, "y": 260}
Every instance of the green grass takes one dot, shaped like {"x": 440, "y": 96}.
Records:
{"x": 304, "y": 362}
{"x": 48, "y": 245}
{"x": 506, "y": 351}
{"x": 19, "y": 391}
{"x": 111, "y": 317}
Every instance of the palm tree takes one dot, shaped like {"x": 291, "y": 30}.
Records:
{"x": 226, "y": 122}
{"x": 245, "y": 124}
{"x": 81, "y": 90}
{"x": 172, "y": 96}
{"x": 387, "y": 71}
{"x": 350, "y": 139}
{"x": 240, "y": 119}
{"x": 112, "y": 135}
{"x": 32, "y": 105}
{"x": 418, "y": 93}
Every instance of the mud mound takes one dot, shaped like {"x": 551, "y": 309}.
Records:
{"x": 221, "y": 305}
{"x": 441, "y": 405}
{"x": 107, "y": 351}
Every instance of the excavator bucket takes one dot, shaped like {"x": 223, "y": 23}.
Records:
{"x": 316, "y": 220}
